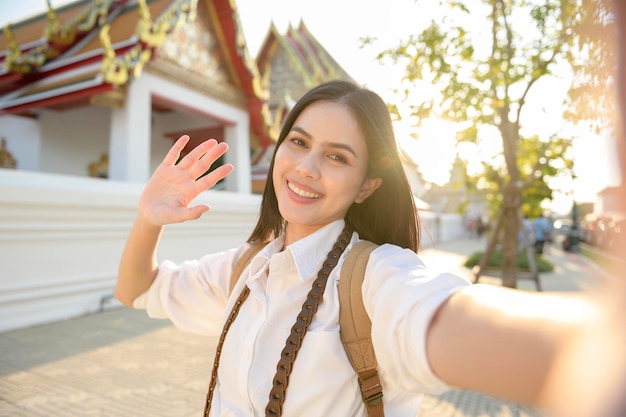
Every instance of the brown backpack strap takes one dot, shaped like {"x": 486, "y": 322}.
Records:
{"x": 240, "y": 265}
{"x": 243, "y": 261}
{"x": 356, "y": 328}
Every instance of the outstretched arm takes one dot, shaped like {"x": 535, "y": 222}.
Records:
{"x": 503, "y": 342}
{"x": 166, "y": 200}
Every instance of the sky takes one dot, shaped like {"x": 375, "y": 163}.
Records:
{"x": 339, "y": 25}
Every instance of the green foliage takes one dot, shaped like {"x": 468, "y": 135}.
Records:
{"x": 495, "y": 260}
{"x": 594, "y": 60}
{"x": 539, "y": 161}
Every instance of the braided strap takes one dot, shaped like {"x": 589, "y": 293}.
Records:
{"x": 220, "y": 343}
{"x": 300, "y": 327}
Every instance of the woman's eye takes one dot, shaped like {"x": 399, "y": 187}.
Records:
{"x": 338, "y": 158}
{"x": 297, "y": 141}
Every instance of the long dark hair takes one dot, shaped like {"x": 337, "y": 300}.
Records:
{"x": 389, "y": 214}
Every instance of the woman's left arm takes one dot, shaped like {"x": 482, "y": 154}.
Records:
{"x": 503, "y": 342}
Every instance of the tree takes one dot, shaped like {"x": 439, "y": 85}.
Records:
{"x": 486, "y": 57}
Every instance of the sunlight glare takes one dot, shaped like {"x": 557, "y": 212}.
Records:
{"x": 434, "y": 137}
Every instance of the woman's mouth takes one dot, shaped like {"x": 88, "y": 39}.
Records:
{"x": 302, "y": 193}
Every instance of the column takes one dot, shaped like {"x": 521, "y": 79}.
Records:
{"x": 238, "y": 154}
{"x": 129, "y": 143}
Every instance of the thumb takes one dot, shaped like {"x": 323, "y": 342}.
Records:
{"x": 196, "y": 211}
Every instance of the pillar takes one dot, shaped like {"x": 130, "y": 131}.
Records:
{"x": 129, "y": 143}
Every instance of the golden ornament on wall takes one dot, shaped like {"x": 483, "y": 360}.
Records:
{"x": 6, "y": 159}
{"x": 100, "y": 168}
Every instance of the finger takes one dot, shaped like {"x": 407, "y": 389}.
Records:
{"x": 214, "y": 177}
{"x": 208, "y": 159}
{"x": 174, "y": 153}
{"x": 196, "y": 153}
{"x": 191, "y": 213}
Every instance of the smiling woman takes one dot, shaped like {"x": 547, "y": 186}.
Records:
{"x": 335, "y": 181}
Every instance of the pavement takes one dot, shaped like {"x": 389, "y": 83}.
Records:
{"x": 120, "y": 363}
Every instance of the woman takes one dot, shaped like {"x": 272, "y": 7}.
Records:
{"x": 335, "y": 170}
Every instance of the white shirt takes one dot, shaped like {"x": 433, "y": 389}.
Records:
{"x": 399, "y": 294}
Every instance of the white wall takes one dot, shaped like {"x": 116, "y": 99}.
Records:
{"x": 23, "y": 140}
{"x": 73, "y": 139}
{"x": 440, "y": 227}
{"x": 61, "y": 238}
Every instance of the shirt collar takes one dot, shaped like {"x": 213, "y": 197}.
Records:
{"x": 308, "y": 253}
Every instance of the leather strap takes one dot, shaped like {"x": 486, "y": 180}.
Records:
{"x": 356, "y": 327}
{"x": 241, "y": 264}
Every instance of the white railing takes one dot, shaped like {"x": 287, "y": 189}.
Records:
{"x": 61, "y": 238}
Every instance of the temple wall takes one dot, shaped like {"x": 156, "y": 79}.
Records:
{"x": 61, "y": 238}
{"x": 440, "y": 227}
{"x": 23, "y": 140}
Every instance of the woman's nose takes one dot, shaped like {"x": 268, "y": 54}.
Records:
{"x": 308, "y": 166}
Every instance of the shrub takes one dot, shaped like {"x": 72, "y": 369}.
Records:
{"x": 495, "y": 261}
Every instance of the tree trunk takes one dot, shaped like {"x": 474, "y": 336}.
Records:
{"x": 511, "y": 199}
{"x": 510, "y": 235}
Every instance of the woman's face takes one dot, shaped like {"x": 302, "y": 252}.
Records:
{"x": 320, "y": 169}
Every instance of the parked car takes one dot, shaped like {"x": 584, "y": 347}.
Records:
{"x": 561, "y": 230}
{"x": 602, "y": 233}
{"x": 586, "y": 228}
{"x": 616, "y": 239}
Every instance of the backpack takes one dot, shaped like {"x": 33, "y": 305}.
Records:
{"x": 354, "y": 324}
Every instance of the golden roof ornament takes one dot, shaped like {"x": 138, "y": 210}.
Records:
{"x": 57, "y": 34}
{"x": 21, "y": 62}
{"x": 52, "y": 24}
{"x": 13, "y": 58}
{"x": 151, "y": 34}
{"x": 154, "y": 33}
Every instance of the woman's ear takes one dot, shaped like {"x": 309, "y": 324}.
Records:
{"x": 367, "y": 188}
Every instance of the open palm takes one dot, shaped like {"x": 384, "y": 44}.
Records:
{"x": 174, "y": 186}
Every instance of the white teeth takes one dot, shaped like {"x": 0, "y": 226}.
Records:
{"x": 302, "y": 193}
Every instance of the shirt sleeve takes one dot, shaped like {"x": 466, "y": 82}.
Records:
{"x": 401, "y": 297}
{"x": 194, "y": 294}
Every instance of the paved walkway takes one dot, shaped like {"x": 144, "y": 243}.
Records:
{"x": 120, "y": 363}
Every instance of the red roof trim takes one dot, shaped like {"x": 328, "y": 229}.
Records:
{"x": 227, "y": 17}
{"x": 65, "y": 98}
{"x": 272, "y": 38}
{"x": 293, "y": 42}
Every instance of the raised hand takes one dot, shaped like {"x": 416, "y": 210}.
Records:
{"x": 173, "y": 187}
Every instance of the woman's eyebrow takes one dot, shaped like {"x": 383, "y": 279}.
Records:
{"x": 343, "y": 146}
{"x": 302, "y": 131}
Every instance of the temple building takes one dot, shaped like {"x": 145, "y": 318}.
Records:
{"x": 92, "y": 95}
{"x": 122, "y": 80}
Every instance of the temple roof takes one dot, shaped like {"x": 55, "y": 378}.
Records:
{"x": 89, "y": 50}
{"x": 311, "y": 60}
{"x": 289, "y": 66}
